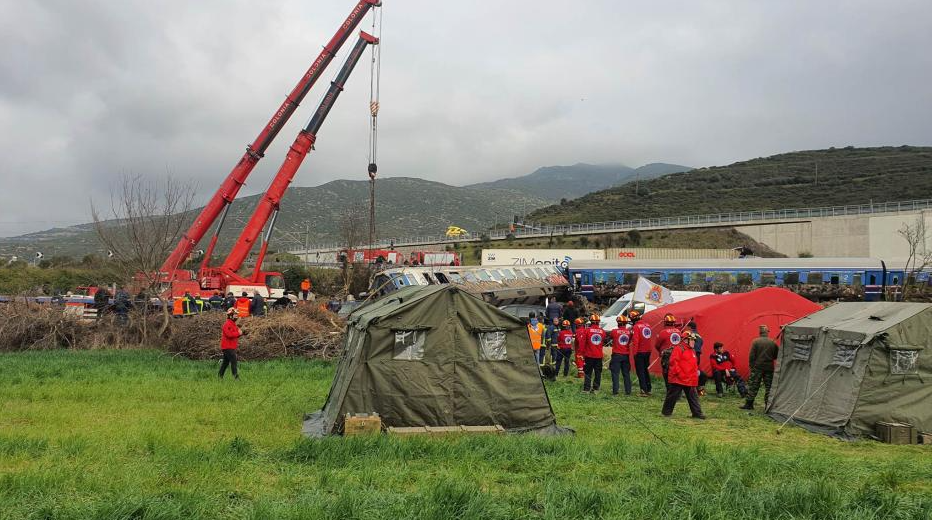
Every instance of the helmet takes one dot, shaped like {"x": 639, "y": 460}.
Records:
{"x": 594, "y": 318}
{"x": 621, "y": 318}
{"x": 232, "y": 312}
{"x": 579, "y": 321}
{"x": 669, "y": 319}
{"x": 565, "y": 323}
{"x": 569, "y": 303}
{"x": 634, "y": 314}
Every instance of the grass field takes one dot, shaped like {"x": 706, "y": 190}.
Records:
{"x": 130, "y": 434}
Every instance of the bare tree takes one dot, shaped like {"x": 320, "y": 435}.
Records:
{"x": 919, "y": 253}
{"x": 352, "y": 229}
{"x": 145, "y": 221}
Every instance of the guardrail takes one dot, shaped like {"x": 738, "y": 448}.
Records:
{"x": 542, "y": 230}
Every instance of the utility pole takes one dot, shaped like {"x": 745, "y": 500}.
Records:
{"x": 817, "y": 173}
{"x": 307, "y": 242}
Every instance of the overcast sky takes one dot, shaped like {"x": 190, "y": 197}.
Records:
{"x": 471, "y": 90}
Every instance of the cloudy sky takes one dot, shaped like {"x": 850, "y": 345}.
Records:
{"x": 94, "y": 89}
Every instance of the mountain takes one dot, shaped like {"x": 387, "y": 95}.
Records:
{"x": 404, "y": 207}
{"x": 832, "y": 177}
{"x": 568, "y": 182}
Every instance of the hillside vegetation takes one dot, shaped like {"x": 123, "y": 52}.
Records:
{"x": 791, "y": 180}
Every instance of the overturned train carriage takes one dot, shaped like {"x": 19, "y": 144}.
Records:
{"x": 496, "y": 285}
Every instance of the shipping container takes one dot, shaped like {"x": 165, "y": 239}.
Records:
{"x": 660, "y": 253}
{"x": 559, "y": 257}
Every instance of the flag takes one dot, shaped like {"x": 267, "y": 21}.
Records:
{"x": 649, "y": 292}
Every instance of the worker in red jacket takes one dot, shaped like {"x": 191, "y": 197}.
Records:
{"x": 668, "y": 337}
{"x": 682, "y": 378}
{"x": 592, "y": 355}
{"x": 641, "y": 342}
{"x": 724, "y": 371}
{"x": 229, "y": 341}
{"x": 621, "y": 361}
{"x": 580, "y": 335}
{"x": 565, "y": 341}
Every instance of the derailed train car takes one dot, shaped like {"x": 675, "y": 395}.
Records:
{"x": 496, "y": 285}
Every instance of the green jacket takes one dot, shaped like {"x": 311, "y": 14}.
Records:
{"x": 763, "y": 354}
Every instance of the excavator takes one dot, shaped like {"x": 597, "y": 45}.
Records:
{"x": 175, "y": 281}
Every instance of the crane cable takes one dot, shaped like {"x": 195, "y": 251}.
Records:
{"x": 375, "y": 72}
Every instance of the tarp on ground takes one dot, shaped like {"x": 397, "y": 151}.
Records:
{"x": 436, "y": 356}
{"x": 734, "y": 320}
{"x": 843, "y": 369}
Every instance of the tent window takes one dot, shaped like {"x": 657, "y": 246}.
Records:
{"x": 844, "y": 355}
{"x": 904, "y": 362}
{"x": 409, "y": 344}
{"x": 492, "y": 346}
{"x": 801, "y": 352}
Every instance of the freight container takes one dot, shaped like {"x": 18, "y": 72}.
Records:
{"x": 660, "y": 253}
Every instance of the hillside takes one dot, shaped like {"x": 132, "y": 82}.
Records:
{"x": 568, "y": 182}
{"x": 404, "y": 207}
{"x": 791, "y": 180}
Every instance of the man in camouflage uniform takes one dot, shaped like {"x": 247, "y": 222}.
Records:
{"x": 761, "y": 362}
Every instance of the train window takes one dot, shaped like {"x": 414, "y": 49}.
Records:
{"x": 508, "y": 274}
{"x": 470, "y": 277}
{"x": 790, "y": 278}
{"x": 856, "y": 279}
{"x": 744, "y": 278}
{"x": 600, "y": 277}
{"x": 699, "y": 277}
{"x": 835, "y": 278}
{"x": 455, "y": 277}
{"x": 873, "y": 279}
{"x": 656, "y": 277}
{"x": 483, "y": 275}
{"x": 814, "y": 277}
{"x": 496, "y": 275}
{"x": 442, "y": 278}
{"x": 630, "y": 278}
{"x": 675, "y": 278}
{"x": 724, "y": 278}
{"x": 520, "y": 274}
{"x": 427, "y": 277}
{"x": 541, "y": 273}
{"x": 768, "y": 278}
{"x": 896, "y": 280}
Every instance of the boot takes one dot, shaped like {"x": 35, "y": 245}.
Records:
{"x": 748, "y": 405}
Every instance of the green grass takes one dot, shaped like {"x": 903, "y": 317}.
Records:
{"x": 130, "y": 434}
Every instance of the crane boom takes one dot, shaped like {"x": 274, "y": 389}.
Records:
{"x": 237, "y": 177}
{"x": 268, "y": 203}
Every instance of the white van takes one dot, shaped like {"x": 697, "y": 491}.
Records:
{"x": 623, "y": 305}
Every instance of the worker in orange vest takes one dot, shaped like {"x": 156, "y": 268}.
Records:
{"x": 242, "y": 305}
{"x": 178, "y": 307}
{"x": 305, "y": 287}
{"x": 535, "y": 331}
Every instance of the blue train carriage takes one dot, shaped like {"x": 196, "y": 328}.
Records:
{"x": 871, "y": 273}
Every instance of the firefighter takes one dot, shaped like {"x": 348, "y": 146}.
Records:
{"x": 570, "y": 314}
{"x": 580, "y": 335}
{"x": 242, "y": 306}
{"x": 669, "y": 337}
{"x": 197, "y": 304}
{"x": 178, "y": 307}
{"x": 535, "y": 331}
{"x": 641, "y": 338}
{"x": 592, "y": 355}
{"x": 620, "y": 361}
{"x": 305, "y": 288}
{"x": 565, "y": 341}
{"x": 229, "y": 302}
{"x": 724, "y": 371}
{"x": 215, "y": 301}
{"x": 682, "y": 378}
{"x": 257, "y": 307}
{"x": 229, "y": 341}
{"x": 187, "y": 304}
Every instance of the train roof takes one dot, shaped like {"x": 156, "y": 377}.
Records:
{"x": 738, "y": 263}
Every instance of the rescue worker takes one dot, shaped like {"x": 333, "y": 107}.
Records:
{"x": 242, "y": 306}
{"x": 257, "y": 307}
{"x": 554, "y": 310}
{"x": 305, "y": 288}
{"x": 761, "y": 361}
{"x": 121, "y": 305}
{"x": 682, "y": 378}
{"x": 535, "y": 331}
{"x": 669, "y": 337}
{"x": 620, "y": 360}
{"x": 187, "y": 304}
{"x": 723, "y": 371}
{"x": 229, "y": 341}
{"x": 198, "y": 306}
{"x": 579, "y": 333}
{"x": 641, "y": 342}
{"x": 229, "y": 302}
{"x": 592, "y": 355}
{"x": 570, "y": 314}
{"x": 178, "y": 307}
{"x": 565, "y": 342}
{"x": 101, "y": 301}
{"x": 692, "y": 334}
{"x": 550, "y": 336}
{"x": 215, "y": 301}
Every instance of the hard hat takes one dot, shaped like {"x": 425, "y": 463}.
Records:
{"x": 565, "y": 323}
{"x": 232, "y": 312}
{"x": 621, "y": 318}
{"x": 579, "y": 321}
{"x": 569, "y": 303}
{"x": 669, "y": 319}
{"x": 594, "y": 318}
{"x": 633, "y": 314}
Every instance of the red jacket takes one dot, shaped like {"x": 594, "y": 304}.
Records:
{"x": 229, "y": 340}
{"x": 565, "y": 339}
{"x": 669, "y": 337}
{"x": 621, "y": 341}
{"x": 721, "y": 362}
{"x": 641, "y": 338}
{"x": 684, "y": 368}
{"x": 595, "y": 338}
{"x": 581, "y": 333}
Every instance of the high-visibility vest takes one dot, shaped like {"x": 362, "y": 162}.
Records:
{"x": 536, "y": 334}
{"x": 177, "y": 307}
{"x": 306, "y": 285}
{"x": 242, "y": 307}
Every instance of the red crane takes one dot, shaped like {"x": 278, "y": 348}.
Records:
{"x": 226, "y": 275}
{"x": 219, "y": 204}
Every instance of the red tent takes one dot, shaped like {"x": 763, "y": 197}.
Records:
{"x": 733, "y": 319}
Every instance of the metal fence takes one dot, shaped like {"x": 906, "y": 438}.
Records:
{"x": 530, "y": 230}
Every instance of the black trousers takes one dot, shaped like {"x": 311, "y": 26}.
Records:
{"x": 720, "y": 381}
{"x": 620, "y": 364}
{"x": 564, "y": 355}
{"x": 641, "y": 362}
{"x": 673, "y": 395}
{"x": 229, "y": 359}
{"x": 592, "y": 369}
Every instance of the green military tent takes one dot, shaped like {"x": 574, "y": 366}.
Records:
{"x": 436, "y": 356}
{"x": 843, "y": 369}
